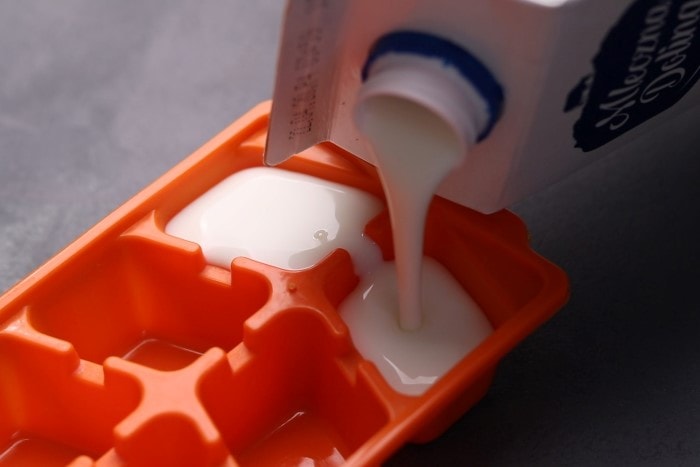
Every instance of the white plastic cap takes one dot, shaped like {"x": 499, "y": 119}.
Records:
{"x": 429, "y": 83}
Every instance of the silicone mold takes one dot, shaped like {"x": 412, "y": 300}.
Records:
{"x": 128, "y": 349}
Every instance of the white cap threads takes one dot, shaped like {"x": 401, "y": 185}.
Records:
{"x": 429, "y": 83}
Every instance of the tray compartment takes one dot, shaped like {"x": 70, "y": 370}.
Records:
{"x": 294, "y": 394}
{"x": 170, "y": 425}
{"x": 149, "y": 299}
{"x": 54, "y": 407}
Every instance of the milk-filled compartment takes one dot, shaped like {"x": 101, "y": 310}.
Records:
{"x": 285, "y": 219}
{"x": 479, "y": 280}
{"x": 413, "y": 360}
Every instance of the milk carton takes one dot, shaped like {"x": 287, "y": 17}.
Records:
{"x": 578, "y": 79}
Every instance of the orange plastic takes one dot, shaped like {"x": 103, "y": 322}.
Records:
{"x": 128, "y": 349}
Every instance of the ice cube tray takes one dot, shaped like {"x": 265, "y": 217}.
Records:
{"x": 126, "y": 348}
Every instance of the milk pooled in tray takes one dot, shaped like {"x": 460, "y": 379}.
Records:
{"x": 281, "y": 218}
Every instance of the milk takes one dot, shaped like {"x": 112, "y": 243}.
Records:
{"x": 411, "y": 318}
{"x": 411, "y": 361}
{"x": 420, "y": 115}
{"x": 403, "y": 134}
{"x": 281, "y": 218}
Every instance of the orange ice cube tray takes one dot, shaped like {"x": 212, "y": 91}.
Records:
{"x": 127, "y": 348}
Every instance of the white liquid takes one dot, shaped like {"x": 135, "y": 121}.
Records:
{"x": 412, "y": 361}
{"x": 412, "y": 319}
{"x": 281, "y": 218}
{"x": 414, "y": 151}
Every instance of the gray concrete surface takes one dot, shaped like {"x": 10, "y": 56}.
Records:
{"x": 98, "y": 98}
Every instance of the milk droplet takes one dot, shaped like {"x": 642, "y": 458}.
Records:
{"x": 321, "y": 235}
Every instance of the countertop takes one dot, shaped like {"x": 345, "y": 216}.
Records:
{"x": 99, "y": 98}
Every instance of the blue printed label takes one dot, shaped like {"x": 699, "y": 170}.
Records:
{"x": 648, "y": 61}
